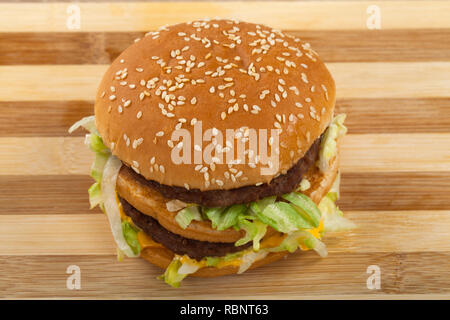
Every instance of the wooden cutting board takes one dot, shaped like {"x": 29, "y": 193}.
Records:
{"x": 393, "y": 83}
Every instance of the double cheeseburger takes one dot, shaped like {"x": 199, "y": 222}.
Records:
{"x": 216, "y": 148}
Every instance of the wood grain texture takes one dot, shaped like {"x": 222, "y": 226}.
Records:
{"x": 43, "y": 118}
{"x": 67, "y": 194}
{"x": 382, "y": 115}
{"x": 334, "y": 46}
{"x": 53, "y": 118}
{"x": 141, "y": 16}
{"x": 393, "y": 84}
{"x": 300, "y": 276}
{"x": 355, "y": 80}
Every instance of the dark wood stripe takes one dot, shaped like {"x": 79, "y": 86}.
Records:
{"x": 67, "y": 194}
{"x": 64, "y": 194}
{"x": 42, "y": 118}
{"x": 379, "y": 45}
{"x": 53, "y": 118}
{"x": 333, "y": 46}
{"x": 104, "y": 276}
{"x": 395, "y": 191}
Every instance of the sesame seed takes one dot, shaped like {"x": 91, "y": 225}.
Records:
{"x": 304, "y": 78}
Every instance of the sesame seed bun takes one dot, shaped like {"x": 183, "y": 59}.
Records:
{"x": 226, "y": 74}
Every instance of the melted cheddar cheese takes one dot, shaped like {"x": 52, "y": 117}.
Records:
{"x": 146, "y": 241}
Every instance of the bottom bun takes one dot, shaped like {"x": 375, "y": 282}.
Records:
{"x": 162, "y": 257}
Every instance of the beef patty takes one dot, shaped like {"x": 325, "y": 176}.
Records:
{"x": 282, "y": 184}
{"x": 193, "y": 248}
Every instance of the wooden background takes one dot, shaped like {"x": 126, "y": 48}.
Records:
{"x": 393, "y": 83}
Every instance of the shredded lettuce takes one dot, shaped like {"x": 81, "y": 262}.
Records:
{"x": 254, "y": 231}
{"x": 283, "y": 217}
{"x": 299, "y": 213}
{"x": 305, "y": 206}
{"x": 224, "y": 218}
{"x": 111, "y": 207}
{"x": 130, "y": 234}
{"x": 185, "y": 216}
{"x": 102, "y": 154}
{"x": 328, "y": 145}
{"x": 98, "y": 165}
{"x": 87, "y": 122}
{"x": 171, "y": 275}
{"x": 248, "y": 259}
{"x": 333, "y": 218}
{"x": 298, "y": 238}
{"x": 95, "y": 195}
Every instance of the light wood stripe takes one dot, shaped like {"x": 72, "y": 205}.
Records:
{"x": 333, "y": 46}
{"x": 353, "y": 80}
{"x": 360, "y": 153}
{"x": 44, "y": 156}
{"x": 396, "y": 152}
{"x": 301, "y": 276}
{"x": 52, "y": 118}
{"x": 87, "y": 234}
{"x": 54, "y": 194}
{"x": 141, "y": 16}
{"x": 67, "y": 194}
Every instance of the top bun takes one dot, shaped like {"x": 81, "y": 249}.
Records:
{"x": 226, "y": 74}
